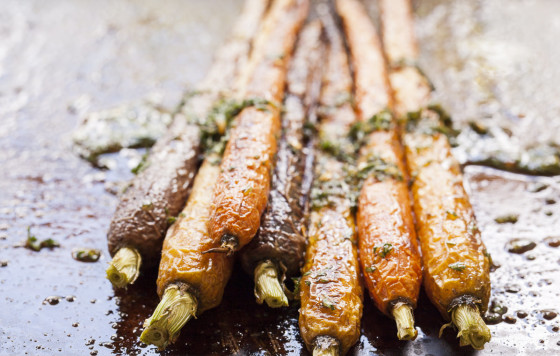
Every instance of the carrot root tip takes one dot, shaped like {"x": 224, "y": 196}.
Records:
{"x": 268, "y": 287}
{"x": 326, "y": 346}
{"x": 172, "y": 313}
{"x": 404, "y": 318}
{"x": 472, "y": 329}
{"x": 124, "y": 268}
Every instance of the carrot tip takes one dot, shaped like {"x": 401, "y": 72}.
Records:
{"x": 472, "y": 329}
{"x": 268, "y": 287}
{"x": 404, "y": 318}
{"x": 124, "y": 268}
{"x": 326, "y": 346}
{"x": 172, "y": 313}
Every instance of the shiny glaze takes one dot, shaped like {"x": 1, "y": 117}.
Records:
{"x": 182, "y": 258}
{"x": 161, "y": 190}
{"x": 446, "y": 225}
{"x": 281, "y": 235}
{"x": 454, "y": 257}
{"x": 241, "y": 193}
{"x": 46, "y": 186}
{"x": 384, "y": 209}
{"x": 331, "y": 290}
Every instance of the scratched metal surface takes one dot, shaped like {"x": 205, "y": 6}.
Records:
{"x": 60, "y": 59}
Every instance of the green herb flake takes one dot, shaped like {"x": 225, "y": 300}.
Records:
{"x": 33, "y": 243}
{"x": 142, "y": 165}
{"x": 458, "y": 266}
{"x": 297, "y": 283}
{"x": 86, "y": 254}
{"x": 451, "y": 215}
{"x": 147, "y": 205}
{"x": 507, "y": 219}
{"x": 385, "y": 250}
{"x": 371, "y": 269}
{"x": 328, "y": 304}
{"x": 171, "y": 220}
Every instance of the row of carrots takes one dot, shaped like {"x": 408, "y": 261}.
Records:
{"x": 339, "y": 184}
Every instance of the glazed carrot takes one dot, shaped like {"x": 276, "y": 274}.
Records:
{"x": 241, "y": 193}
{"x": 158, "y": 193}
{"x": 388, "y": 247}
{"x": 189, "y": 282}
{"x": 277, "y": 250}
{"x": 456, "y": 266}
{"x": 331, "y": 291}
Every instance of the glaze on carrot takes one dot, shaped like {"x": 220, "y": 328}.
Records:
{"x": 241, "y": 193}
{"x": 277, "y": 250}
{"x": 388, "y": 246}
{"x": 331, "y": 290}
{"x": 456, "y": 266}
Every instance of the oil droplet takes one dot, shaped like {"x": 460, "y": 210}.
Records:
{"x": 549, "y": 314}
{"x": 520, "y": 245}
{"x": 70, "y": 298}
{"x": 553, "y": 241}
{"x": 512, "y": 288}
{"x": 510, "y": 319}
{"x": 52, "y": 300}
{"x": 76, "y": 324}
{"x": 3, "y": 263}
{"x": 521, "y": 314}
{"x": 493, "y": 318}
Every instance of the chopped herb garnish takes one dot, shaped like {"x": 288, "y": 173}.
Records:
{"x": 504, "y": 219}
{"x": 142, "y": 165}
{"x": 328, "y": 304}
{"x": 451, "y": 215}
{"x": 371, "y": 269}
{"x": 86, "y": 254}
{"x": 171, "y": 220}
{"x": 457, "y": 266}
{"x": 386, "y": 249}
{"x": 297, "y": 282}
{"x": 33, "y": 243}
{"x": 147, "y": 205}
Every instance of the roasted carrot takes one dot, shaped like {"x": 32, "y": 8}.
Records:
{"x": 241, "y": 193}
{"x": 189, "y": 282}
{"x": 277, "y": 250}
{"x": 456, "y": 266}
{"x": 331, "y": 291}
{"x": 158, "y": 193}
{"x": 388, "y": 247}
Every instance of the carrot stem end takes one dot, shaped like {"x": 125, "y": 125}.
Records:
{"x": 268, "y": 287}
{"x": 124, "y": 268}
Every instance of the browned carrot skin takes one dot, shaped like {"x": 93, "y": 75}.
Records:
{"x": 182, "y": 259}
{"x": 280, "y": 237}
{"x": 241, "y": 193}
{"x": 331, "y": 291}
{"x": 388, "y": 247}
{"x": 160, "y": 191}
{"x": 456, "y": 267}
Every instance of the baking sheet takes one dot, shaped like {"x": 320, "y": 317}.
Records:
{"x": 496, "y": 60}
